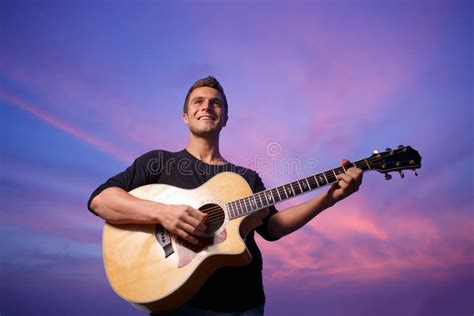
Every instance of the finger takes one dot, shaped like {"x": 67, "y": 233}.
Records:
{"x": 346, "y": 181}
{"x": 343, "y": 185}
{"x": 344, "y": 177}
{"x": 184, "y": 235}
{"x": 345, "y": 163}
{"x": 199, "y": 225}
{"x": 356, "y": 174}
{"x": 191, "y": 229}
{"x": 201, "y": 216}
{"x": 353, "y": 173}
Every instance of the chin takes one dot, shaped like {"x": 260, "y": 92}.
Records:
{"x": 205, "y": 132}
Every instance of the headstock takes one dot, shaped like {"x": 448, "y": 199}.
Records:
{"x": 402, "y": 158}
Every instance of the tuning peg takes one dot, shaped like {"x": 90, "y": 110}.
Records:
{"x": 400, "y": 146}
{"x": 414, "y": 171}
{"x": 388, "y": 176}
{"x": 388, "y": 149}
{"x": 401, "y": 174}
{"x": 375, "y": 151}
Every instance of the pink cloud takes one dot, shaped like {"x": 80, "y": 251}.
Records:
{"x": 358, "y": 243}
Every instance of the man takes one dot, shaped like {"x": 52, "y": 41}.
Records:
{"x": 205, "y": 112}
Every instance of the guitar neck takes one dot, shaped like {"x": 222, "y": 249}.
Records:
{"x": 264, "y": 199}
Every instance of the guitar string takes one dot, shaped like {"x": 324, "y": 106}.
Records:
{"x": 217, "y": 217}
{"x": 280, "y": 189}
{"x": 246, "y": 203}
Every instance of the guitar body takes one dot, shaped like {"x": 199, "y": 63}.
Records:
{"x": 139, "y": 270}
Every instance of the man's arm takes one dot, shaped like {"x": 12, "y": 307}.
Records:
{"x": 117, "y": 206}
{"x": 292, "y": 218}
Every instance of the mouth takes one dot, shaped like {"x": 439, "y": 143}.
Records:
{"x": 206, "y": 118}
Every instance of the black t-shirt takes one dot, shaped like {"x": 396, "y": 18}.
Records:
{"x": 228, "y": 288}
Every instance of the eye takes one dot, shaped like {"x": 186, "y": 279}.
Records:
{"x": 217, "y": 102}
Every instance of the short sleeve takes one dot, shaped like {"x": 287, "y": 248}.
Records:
{"x": 262, "y": 229}
{"x": 146, "y": 169}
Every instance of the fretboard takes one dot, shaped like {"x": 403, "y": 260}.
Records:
{"x": 264, "y": 199}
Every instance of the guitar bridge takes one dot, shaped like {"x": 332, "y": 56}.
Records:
{"x": 164, "y": 239}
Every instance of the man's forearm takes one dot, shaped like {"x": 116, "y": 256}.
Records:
{"x": 289, "y": 220}
{"x": 292, "y": 218}
{"x": 119, "y": 207}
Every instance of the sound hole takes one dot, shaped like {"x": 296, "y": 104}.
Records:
{"x": 215, "y": 217}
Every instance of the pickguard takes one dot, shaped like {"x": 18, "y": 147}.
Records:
{"x": 186, "y": 251}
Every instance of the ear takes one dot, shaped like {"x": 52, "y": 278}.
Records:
{"x": 185, "y": 118}
{"x": 224, "y": 122}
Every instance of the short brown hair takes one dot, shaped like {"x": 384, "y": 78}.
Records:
{"x": 210, "y": 82}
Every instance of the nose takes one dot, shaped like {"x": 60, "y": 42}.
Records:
{"x": 206, "y": 105}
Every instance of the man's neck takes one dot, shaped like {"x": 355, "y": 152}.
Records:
{"x": 205, "y": 149}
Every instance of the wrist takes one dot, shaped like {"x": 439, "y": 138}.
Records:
{"x": 329, "y": 200}
{"x": 156, "y": 211}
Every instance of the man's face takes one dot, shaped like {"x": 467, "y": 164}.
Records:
{"x": 206, "y": 112}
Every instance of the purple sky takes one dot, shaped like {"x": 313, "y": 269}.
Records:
{"x": 87, "y": 86}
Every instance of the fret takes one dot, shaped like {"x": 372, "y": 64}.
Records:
{"x": 329, "y": 176}
{"x": 284, "y": 191}
{"x": 287, "y": 192}
{"x": 248, "y": 207}
{"x": 332, "y": 176}
{"x": 242, "y": 206}
{"x": 315, "y": 180}
{"x": 269, "y": 197}
{"x": 232, "y": 208}
{"x": 368, "y": 166}
{"x": 362, "y": 164}
{"x": 304, "y": 185}
{"x": 259, "y": 205}
{"x": 236, "y": 208}
{"x": 309, "y": 185}
{"x": 261, "y": 195}
{"x": 231, "y": 211}
{"x": 325, "y": 178}
{"x": 253, "y": 203}
{"x": 279, "y": 196}
{"x": 295, "y": 185}
{"x": 266, "y": 195}
{"x": 320, "y": 180}
{"x": 299, "y": 184}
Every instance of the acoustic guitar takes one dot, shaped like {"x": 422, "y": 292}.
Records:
{"x": 157, "y": 271}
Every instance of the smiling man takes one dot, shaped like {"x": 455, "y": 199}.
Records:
{"x": 229, "y": 290}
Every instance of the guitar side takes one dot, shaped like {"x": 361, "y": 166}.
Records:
{"x": 135, "y": 262}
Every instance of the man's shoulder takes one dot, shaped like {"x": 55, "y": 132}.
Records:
{"x": 160, "y": 154}
{"x": 249, "y": 174}
{"x": 242, "y": 169}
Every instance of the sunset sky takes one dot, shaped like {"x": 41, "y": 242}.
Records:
{"x": 87, "y": 86}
